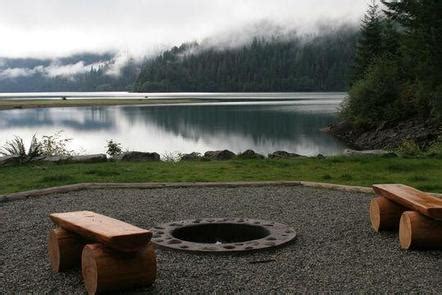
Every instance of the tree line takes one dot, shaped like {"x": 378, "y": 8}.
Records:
{"x": 397, "y": 72}
{"x": 315, "y": 63}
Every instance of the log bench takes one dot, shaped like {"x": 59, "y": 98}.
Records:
{"x": 113, "y": 254}
{"x": 417, "y": 215}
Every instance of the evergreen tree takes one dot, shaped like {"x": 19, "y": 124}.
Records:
{"x": 421, "y": 22}
{"x": 369, "y": 45}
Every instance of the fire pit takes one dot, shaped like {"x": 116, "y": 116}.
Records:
{"x": 222, "y": 235}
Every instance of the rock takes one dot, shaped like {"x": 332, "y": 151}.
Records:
{"x": 73, "y": 159}
{"x": 387, "y": 136}
{"x": 350, "y": 152}
{"x": 89, "y": 158}
{"x": 9, "y": 160}
{"x": 191, "y": 157}
{"x": 139, "y": 156}
{"x": 250, "y": 154}
{"x": 283, "y": 155}
{"x": 219, "y": 155}
{"x": 53, "y": 159}
{"x": 320, "y": 156}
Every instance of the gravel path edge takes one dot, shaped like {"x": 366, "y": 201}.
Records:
{"x": 156, "y": 185}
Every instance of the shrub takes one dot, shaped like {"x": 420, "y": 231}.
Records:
{"x": 172, "y": 157}
{"x": 376, "y": 97}
{"x": 56, "y": 145}
{"x": 409, "y": 148}
{"x": 114, "y": 148}
{"x": 16, "y": 148}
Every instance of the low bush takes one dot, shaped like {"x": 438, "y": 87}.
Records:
{"x": 114, "y": 149}
{"x": 16, "y": 148}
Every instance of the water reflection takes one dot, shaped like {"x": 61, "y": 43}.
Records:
{"x": 291, "y": 126}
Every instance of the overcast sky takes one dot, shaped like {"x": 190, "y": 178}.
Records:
{"x": 48, "y": 28}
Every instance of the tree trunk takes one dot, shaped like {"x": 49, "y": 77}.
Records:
{"x": 385, "y": 214}
{"x": 64, "y": 249}
{"x": 417, "y": 231}
{"x": 105, "y": 269}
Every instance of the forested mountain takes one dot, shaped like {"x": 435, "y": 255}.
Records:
{"x": 305, "y": 63}
{"x": 79, "y": 72}
{"x": 320, "y": 62}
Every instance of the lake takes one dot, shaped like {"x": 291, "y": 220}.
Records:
{"x": 262, "y": 122}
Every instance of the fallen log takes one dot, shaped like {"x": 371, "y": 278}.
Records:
{"x": 105, "y": 269}
{"x": 417, "y": 231}
{"x": 64, "y": 249}
{"x": 385, "y": 214}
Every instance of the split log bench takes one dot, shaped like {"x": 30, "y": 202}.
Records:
{"x": 417, "y": 215}
{"x": 113, "y": 254}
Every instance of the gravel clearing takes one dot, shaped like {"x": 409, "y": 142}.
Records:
{"x": 335, "y": 250}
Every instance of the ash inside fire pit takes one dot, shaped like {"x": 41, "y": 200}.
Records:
{"x": 222, "y": 235}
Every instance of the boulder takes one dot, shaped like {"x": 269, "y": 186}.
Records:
{"x": 283, "y": 155}
{"x": 219, "y": 155}
{"x": 9, "y": 160}
{"x": 250, "y": 154}
{"x": 139, "y": 156}
{"x": 350, "y": 152}
{"x": 73, "y": 159}
{"x": 89, "y": 158}
{"x": 191, "y": 157}
{"x": 53, "y": 159}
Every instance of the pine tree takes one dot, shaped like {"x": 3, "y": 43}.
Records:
{"x": 421, "y": 22}
{"x": 369, "y": 45}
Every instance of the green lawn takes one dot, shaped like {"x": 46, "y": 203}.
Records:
{"x": 422, "y": 173}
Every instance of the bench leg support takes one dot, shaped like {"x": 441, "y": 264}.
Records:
{"x": 419, "y": 232}
{"x": 64, "y": 249}
{"x": 385, "y": 214}
{"x": 105, "y": 269}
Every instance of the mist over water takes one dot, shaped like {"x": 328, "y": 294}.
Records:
{"x": 264, "y": 126}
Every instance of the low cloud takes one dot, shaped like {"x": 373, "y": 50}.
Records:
{"x": 48, "y": 28}
{"x": 12, "y": 73}
{"x": 55, "y": 69}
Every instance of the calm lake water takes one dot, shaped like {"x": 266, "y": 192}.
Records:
{"x": 288, "y": 122}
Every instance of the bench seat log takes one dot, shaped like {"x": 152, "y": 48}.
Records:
{"x": 111, "y": 232}
{"x": 411, "y": 198}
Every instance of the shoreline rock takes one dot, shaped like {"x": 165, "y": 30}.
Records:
{"x": 9, "y": 161}
{"x": 219, "y": 155}
{"x": 383, "y": 153}
{"x": 386, "y": 136}
{"x": 283, "y": 155}
{"x": 191, "y": 157}
{"x": 250, "y": 155}
{"x": 95, "y": 158}
{"x": 139, "y": 157}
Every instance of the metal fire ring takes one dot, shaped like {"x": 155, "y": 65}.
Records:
{"x": 270, "y": 234}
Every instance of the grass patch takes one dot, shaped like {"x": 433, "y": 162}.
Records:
{"x": 422, "y": 173}
{"x": 102, "y": 173}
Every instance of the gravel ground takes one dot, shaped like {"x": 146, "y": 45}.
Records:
{"x": 335, "y": 250}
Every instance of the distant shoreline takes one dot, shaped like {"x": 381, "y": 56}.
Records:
{"x": 52, "y": 103}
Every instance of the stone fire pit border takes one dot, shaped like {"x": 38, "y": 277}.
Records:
{"x": 156, "y": 185}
